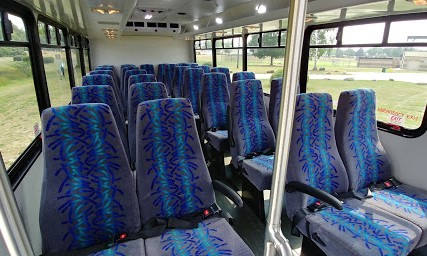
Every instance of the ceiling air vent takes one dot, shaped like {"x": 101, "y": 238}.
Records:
{"x": 160, "y": 28}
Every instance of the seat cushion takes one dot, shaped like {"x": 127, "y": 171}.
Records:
{"x": 360, "y": 229}
{"x": 259, "y": 171}
{"x": 218, "y": 140}
{"x": 407, "y": 202}
{"x": 134, "y": 248}
{"x": 213, "y": 237}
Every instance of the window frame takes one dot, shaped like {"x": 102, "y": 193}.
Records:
{"x": 390, "y": 128}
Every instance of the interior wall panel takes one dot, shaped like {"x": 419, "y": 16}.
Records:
{"x": 139, "y": 50}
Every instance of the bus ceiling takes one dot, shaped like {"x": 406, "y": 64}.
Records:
{"x": 195, "y": 19}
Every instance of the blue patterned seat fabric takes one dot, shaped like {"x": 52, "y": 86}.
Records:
{"x": 149, "y": 68}
{"x": 168, "y": 77}
{"x": 251, "y": 131}
{"x": 274, "y": 109}
{"x": 88, "y": 193}
{"x": 225, "y": 71}
{"x": 125, "y": 89}
{"x": 101, "y": 79}
{"x": 213, "y": 103}
{"x": 173, "y": 180}
{"x": 105, "y": 67}
{"x": 140, "y": 92}
{"x": 141, "y": 79}
{"x": 111, "y": 73}
{"x": 193, "y": 65}
{"x": 183, "y": 64}
{"x": 122, "y": 75}
{"x": 358, "y": 229}
{"x": 206, "y": 68}
{"x": 178, "y": 81}
{"x": 192, "y": 87}
{"x": 244, "y": 75}
{"x": 366, "y": 160}
{"x": 161, "y": 70}
{"x": 102, "y": 94}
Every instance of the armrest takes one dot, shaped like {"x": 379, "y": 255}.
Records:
{"x": 296, "y": 186}
{"x": 228, "y": 192}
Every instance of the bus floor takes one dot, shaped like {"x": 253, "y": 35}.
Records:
{"x": 250, "y": 228}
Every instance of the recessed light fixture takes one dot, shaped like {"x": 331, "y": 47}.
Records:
{"x": 218, "y": 20}
{"x": 196, "y": 27}
{"x": 148, "y": 16}
{"x": 261, "y": 9}
{"x": 418, "y": 2}
{"x": 102, "y": 9}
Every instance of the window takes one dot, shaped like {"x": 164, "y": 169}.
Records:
{"x": 204, "y": 57}
{"x": 58, "y": 83}
{"x": 1, "y": 30}
{"x": 19, "y": 33}
{"x": 253, "y": 40}
{"x": 42, "y": 32}
{"x": 52, "y": 35}
{"x": 86, "y": 57}
{"x": 282, "y": 38}
{"x": 18, "y": 104}
{"x": 408, "y": 31}
{"x": 75, "y": 55}
{"x": 396, "y": 74}
{"x": 270, "y": 39}
{"x": 61, "y": 37}
{"x": 231, "y": 55}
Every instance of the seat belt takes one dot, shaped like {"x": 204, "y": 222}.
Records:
{"x": 302, "y": 213}
{"x": 152, "y": 228}
{"x": 390, "y": 183}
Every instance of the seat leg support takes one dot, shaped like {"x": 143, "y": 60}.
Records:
{"x": 218, "y": 165}
{"x": 253, "y": 198}
{"x": 309, "y": 248}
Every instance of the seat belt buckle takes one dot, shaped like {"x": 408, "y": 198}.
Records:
{"x": 388, "y": 184}
{"x": 211, "y": 210}
{"x": 316, "y": 206}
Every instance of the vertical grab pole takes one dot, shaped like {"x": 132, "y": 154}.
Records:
{"x": 11, "y": 227}
{"x": 275, "y": 241}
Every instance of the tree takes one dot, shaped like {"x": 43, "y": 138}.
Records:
{"x": 273, "y": 53}
{"x": 360, "y": 53}
{"x": 18, "y": 34}
{"x": 320, "y": 37}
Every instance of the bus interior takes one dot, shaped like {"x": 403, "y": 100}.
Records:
{"x": 183, "y": 113}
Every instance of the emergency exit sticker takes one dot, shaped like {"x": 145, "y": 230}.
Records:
{"x": 397, "y": 119}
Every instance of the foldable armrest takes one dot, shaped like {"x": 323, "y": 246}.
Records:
{"x": 296, "y": 186}
{"x": 228, "y": 192}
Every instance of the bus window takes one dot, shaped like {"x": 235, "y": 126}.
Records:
{"x": 86, "y": 58}
{"x": 75, "y": 55}
{"x": 42, "y": 32}
{"x": 282, "y": 38}
{"x": 52, "y": 34}
{"x": 230, "y": 56}
{"x": 62, "y": 38}
{"x": 19, "y": 34}
{"x": 408, "y": 31}
{"x": 58, "y": 83}
{"x": 357, "y": 34}
{"x": 396, "y": 74}
{"x": 204, "y": 55}
{"x": 1, "y": 30}
{"x": 18, "y": 104}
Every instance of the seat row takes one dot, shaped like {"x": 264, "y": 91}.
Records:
{"x": 91, "y": 203}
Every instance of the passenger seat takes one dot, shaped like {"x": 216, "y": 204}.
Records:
{"x": 245, "y": 75}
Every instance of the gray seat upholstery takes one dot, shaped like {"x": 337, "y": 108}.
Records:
{"x": 102, "y": 94}
{"x": 173, "y": 181}
{"x": 178, "y": 81}
{"x": 168, "y": 77}
{"x": 141, "y": 78}
{"x": 192, "y": 87}
{"x": 259, "y": 171}
{"x": 225, "y": 71}
{"x": 148, "y": 67}
{"x": 131, "y": 248}
{"x": 274, "y": 106}
{"x": 250, "y": 129}
{"x": 161, "y": 70}
{"x": 367, "y": 163}
{"x": 206, "y": 68}
{"x": 126, "y": 85}
{"x": 138, "y": 93}
{"x": 213, "y": 103}
{"x": 88, "y": 193}
{"x": 244, "y": 75}
{"x": 357, "y": 229}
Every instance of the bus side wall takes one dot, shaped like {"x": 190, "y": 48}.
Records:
{"x": 408, "y": 158}
{"x": 140, "y": 50}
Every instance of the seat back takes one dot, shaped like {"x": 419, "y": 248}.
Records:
{"x": 148, "y": 67}
{"x": 102, "y": 94}
{"x": 226, "y": 71}
{"x": 192, "y": 87}
{"x": 168, "y": 79}
{"x": 88, "y": 193}
{"x": 193, "y": 65}
{"x": 161, "y": 71}
{"x": 125, "y": 89}
{"x": 172, "y": 177}
{"x": 274, "y": 105}
{"x": 244, "y": 75}
{"x": 214, "y": 101}
{"x": 178, "y": 81}
{"x": 140, "y": 92}
{"x": 183, "y": 64}
{"x": 206, "y": 68}
{"x": 357, "y": 139}
{"x": 313, "y": 155}
{"x": 141, "y": 79}
{"x": 102, "y": 72}
{"x": 101, "y": 79}
{"x": 250, "y": 129}
{"x": 122, "y": 75}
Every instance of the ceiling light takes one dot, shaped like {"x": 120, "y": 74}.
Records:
{"x": 418, "y": 2}
{"x": 105, "y": 10}
{"x": 261, "y": 9}
{"x": 148, "y": 16}
{"x": 218, "y": 20}
{"x": 196, "y": 27}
